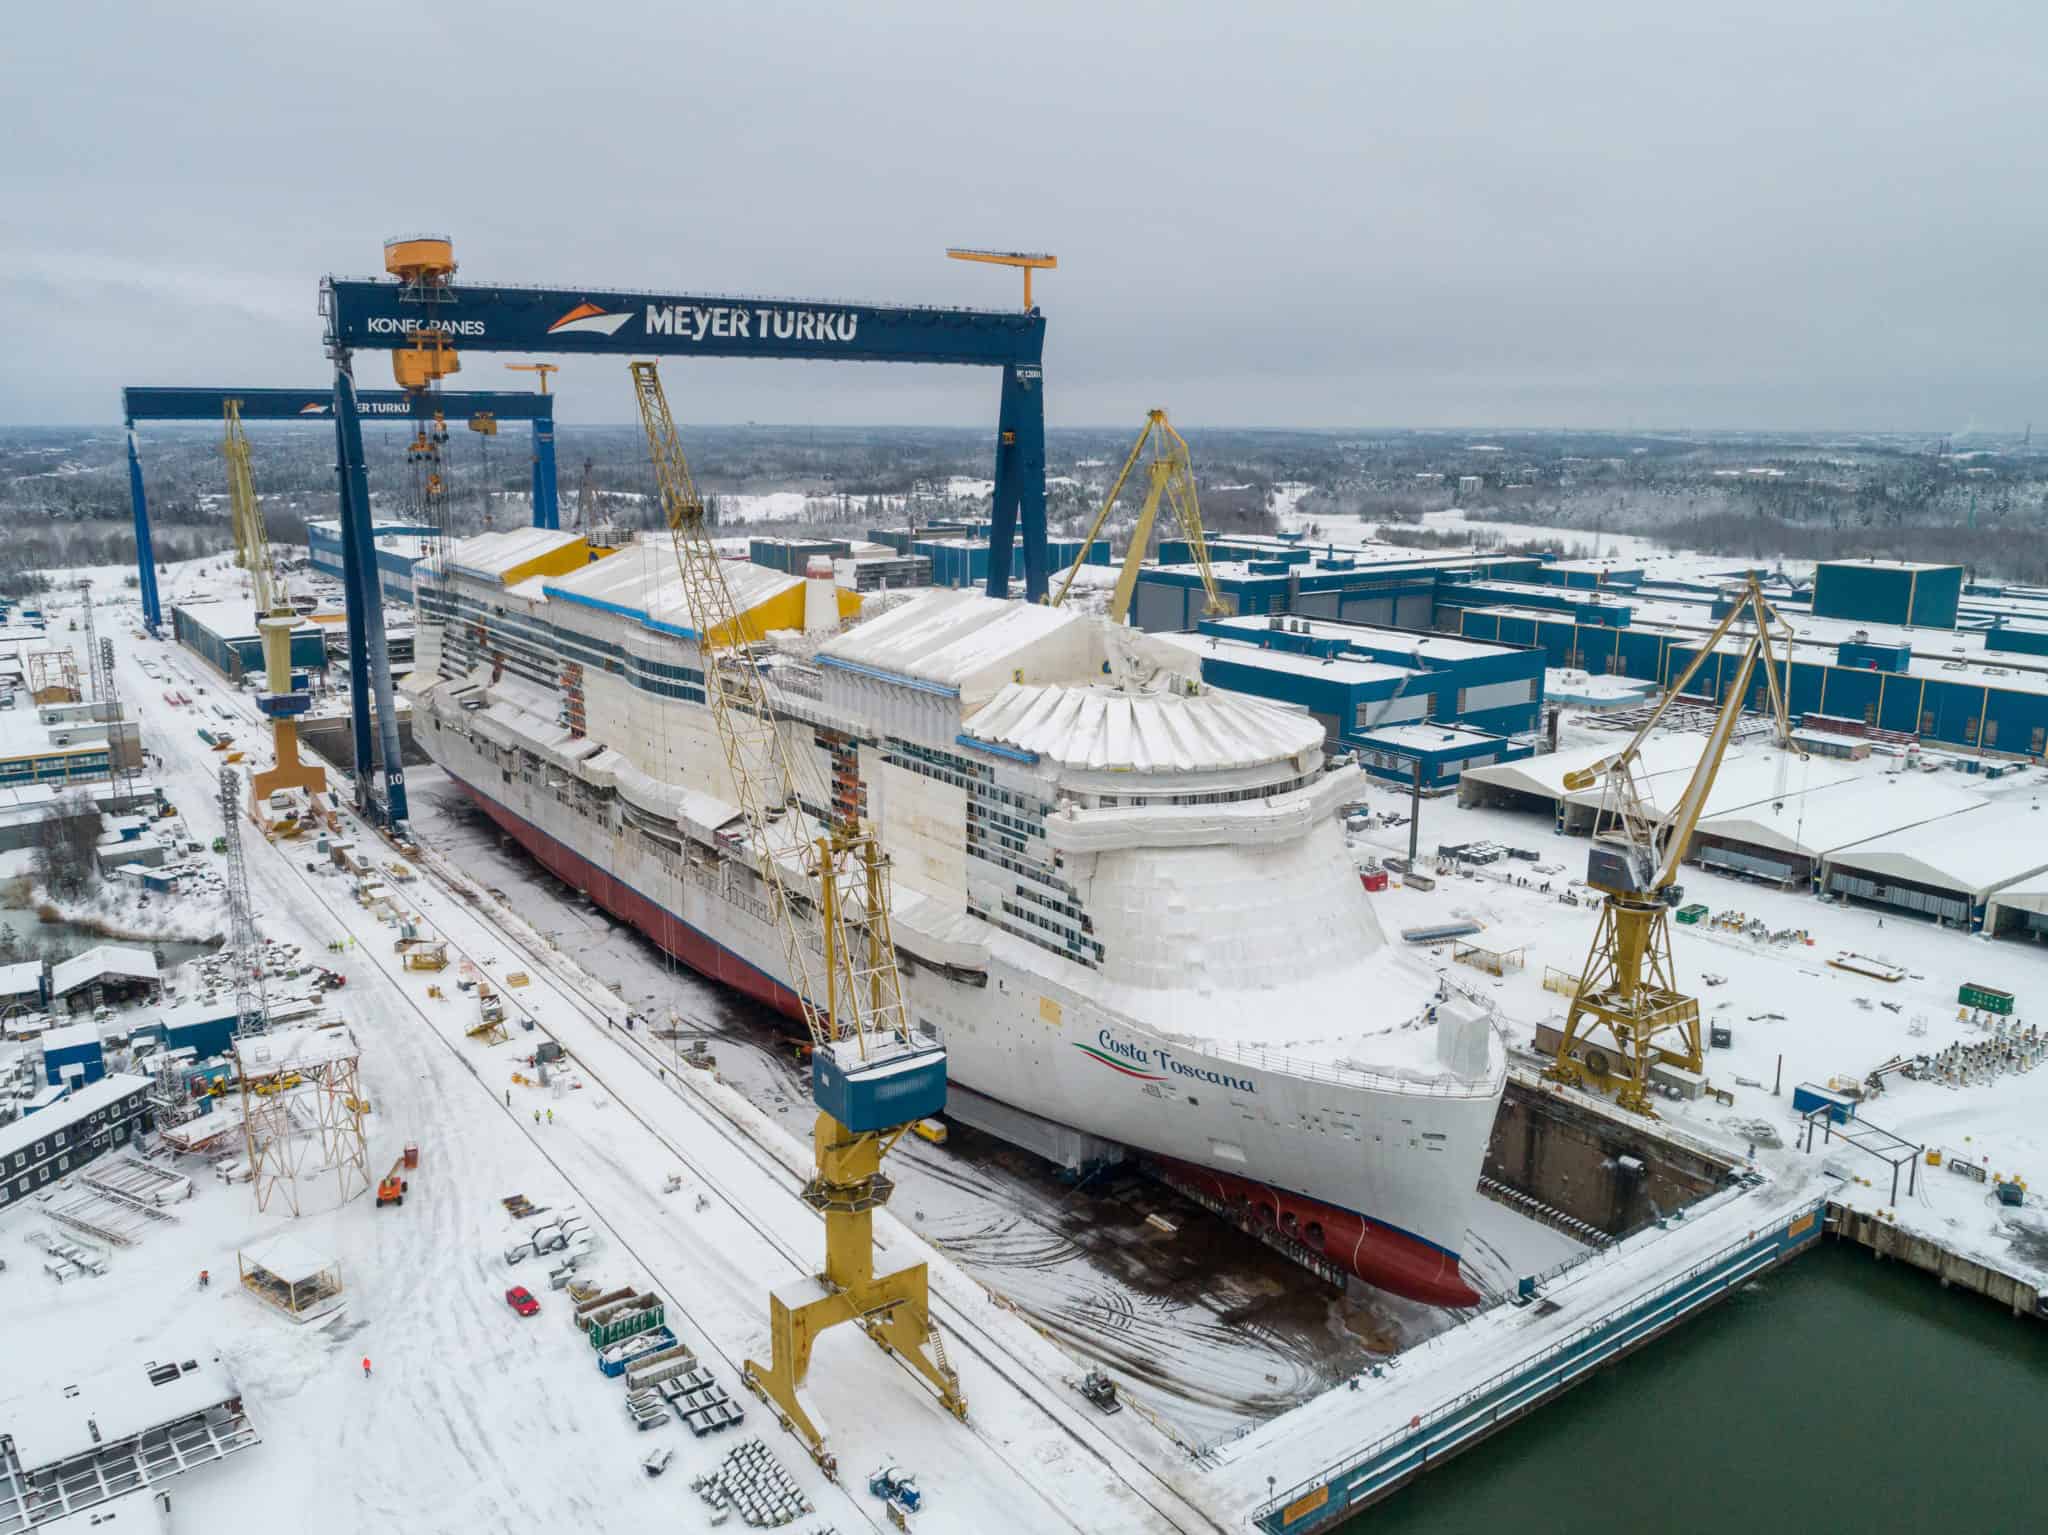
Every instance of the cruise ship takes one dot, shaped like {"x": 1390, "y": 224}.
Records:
{"x": 1122, "y": 899}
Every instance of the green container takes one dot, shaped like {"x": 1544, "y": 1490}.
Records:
{"x": 625, "y": 1326}
{"x": 1989, "y": 998}
{"x": 1691, "y": 915}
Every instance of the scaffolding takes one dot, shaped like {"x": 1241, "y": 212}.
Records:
{"x": 303, "y": 1108}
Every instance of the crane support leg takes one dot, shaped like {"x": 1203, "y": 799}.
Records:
{"x": 1629, "y": 994}
{"x": 547, "y": 510}
{"x": 145, "y": 551}
{"x": 1020, "y": 483}
{"x": 353, "y": 609}
{"x": 893, "y": 1309}
{"x": 370, "y": 664}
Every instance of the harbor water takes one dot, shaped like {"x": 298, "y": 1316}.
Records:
{"x": 1840, "y": 1393}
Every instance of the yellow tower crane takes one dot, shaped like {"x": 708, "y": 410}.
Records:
{"x": 1628, "y": 997}
{"x": 872, "y": 1076}
{"x": 542, "y": 368}
{"x": 280, "y": 703}
{"x": 1171, "y": 476}
{"x": 1028, "y": 261}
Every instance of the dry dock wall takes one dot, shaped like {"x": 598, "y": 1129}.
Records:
{"x": 1570, "y": 1158}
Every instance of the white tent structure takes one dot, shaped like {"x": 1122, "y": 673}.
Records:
{"x": 2019, "y": 911}
{"x": 1787, "y": 839}
{"x": 1538, "y": 782}
{"x": 1943, "y": 869}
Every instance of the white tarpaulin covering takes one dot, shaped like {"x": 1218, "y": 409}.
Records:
{"x": 1842, "y": 815}
{"x": 1117, "y": 730}
{"x": 1992, "y": 848}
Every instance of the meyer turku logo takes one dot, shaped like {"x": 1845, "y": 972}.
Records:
{"x": 1153, "y": 1064}
{"x": 588, "y": 320}
{"x": 315, "y": 409}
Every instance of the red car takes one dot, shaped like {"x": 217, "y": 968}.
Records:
{"x": 521, "y": 1300}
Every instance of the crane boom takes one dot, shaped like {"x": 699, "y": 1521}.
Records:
{"x": 828, "y": 884}
{"x": 1628, "y": 991}
{"x": 252, "y": 539}
{"x": 279, "y": 701}
{"x": 1171, "y": 477}
{"x": 1657, "y": 843}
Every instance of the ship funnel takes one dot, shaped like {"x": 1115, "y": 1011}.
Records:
{"x": 821, "y": 596}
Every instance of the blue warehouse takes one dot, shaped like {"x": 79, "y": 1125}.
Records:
{"x": 1394, "y": 696}
{"x": 399, "y": 546}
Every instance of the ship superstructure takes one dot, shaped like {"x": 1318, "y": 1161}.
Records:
{"x": 1123, "y": 899}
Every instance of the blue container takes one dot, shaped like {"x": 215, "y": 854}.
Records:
{"x": 1806, "y": 1098}
{"x": 901, "y": 1088}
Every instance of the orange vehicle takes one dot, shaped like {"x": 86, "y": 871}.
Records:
{"x": 392, "y": 1190}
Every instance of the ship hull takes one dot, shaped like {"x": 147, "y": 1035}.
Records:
{"x": 1117, "y": 1082}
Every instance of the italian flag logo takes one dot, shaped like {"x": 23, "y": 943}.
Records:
{"x": 1116, "y": 1065}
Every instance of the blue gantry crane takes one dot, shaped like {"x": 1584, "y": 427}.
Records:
{"x": 360, "y": 585}
{"x": 426, "y": 319}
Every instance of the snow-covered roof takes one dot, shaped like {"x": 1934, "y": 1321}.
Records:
{"x": 492, "y": 554}
{"x": 642, "y": 582}
{"x": 1840, "y": 815}
{"x": 1350, "y": 670}
{"x": 71, "y": 1036}
{"x": 2030, "y": 894}
{"x": 293, "y": 1050}
{"x": 198, "y": 1010}
{"x": 1749, "y": 779}
{"x": 1113, "y": 729}
{"x": 1544, "y": 776}
{"x": 24, "y": 1133}
{"x": 60, "y": 1423}
{"x": 18, "y": 980}
{"x": 289, "y": 1257}
{"x": 1429, "y": 737}
{"x": 1993, "y": 848}
{"x": 107, "y": 959}
{"x": 947, "y": 637}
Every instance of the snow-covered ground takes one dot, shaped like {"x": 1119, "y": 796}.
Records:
{"x": 1788, "y": 1003}
{"x": 476, "y": 1418}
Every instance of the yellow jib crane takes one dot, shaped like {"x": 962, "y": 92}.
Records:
{"x": 275, "y": 620}
{"x": 1170, "y": 475}
{"x": 1629, "y": 988}
{"x": 872, "y": 1077}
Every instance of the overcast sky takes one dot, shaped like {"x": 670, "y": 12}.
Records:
{"x": 1805, "y": 213}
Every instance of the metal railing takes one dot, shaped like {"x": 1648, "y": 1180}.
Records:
{"x": 1356, "y": 1076}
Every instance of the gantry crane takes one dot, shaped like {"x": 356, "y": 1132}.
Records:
{"x": 1171, "y": 475}
{"x": 872, "y": 1076}
{"x": 279, "y": 702}
{"x": 1628, "y": 991}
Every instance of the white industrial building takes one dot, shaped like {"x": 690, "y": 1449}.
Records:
{"x": 1935, "y": 870}
{"x": 1787, "y": 839}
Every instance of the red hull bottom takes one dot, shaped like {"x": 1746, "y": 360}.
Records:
{"x": 1377, "y": 1254}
